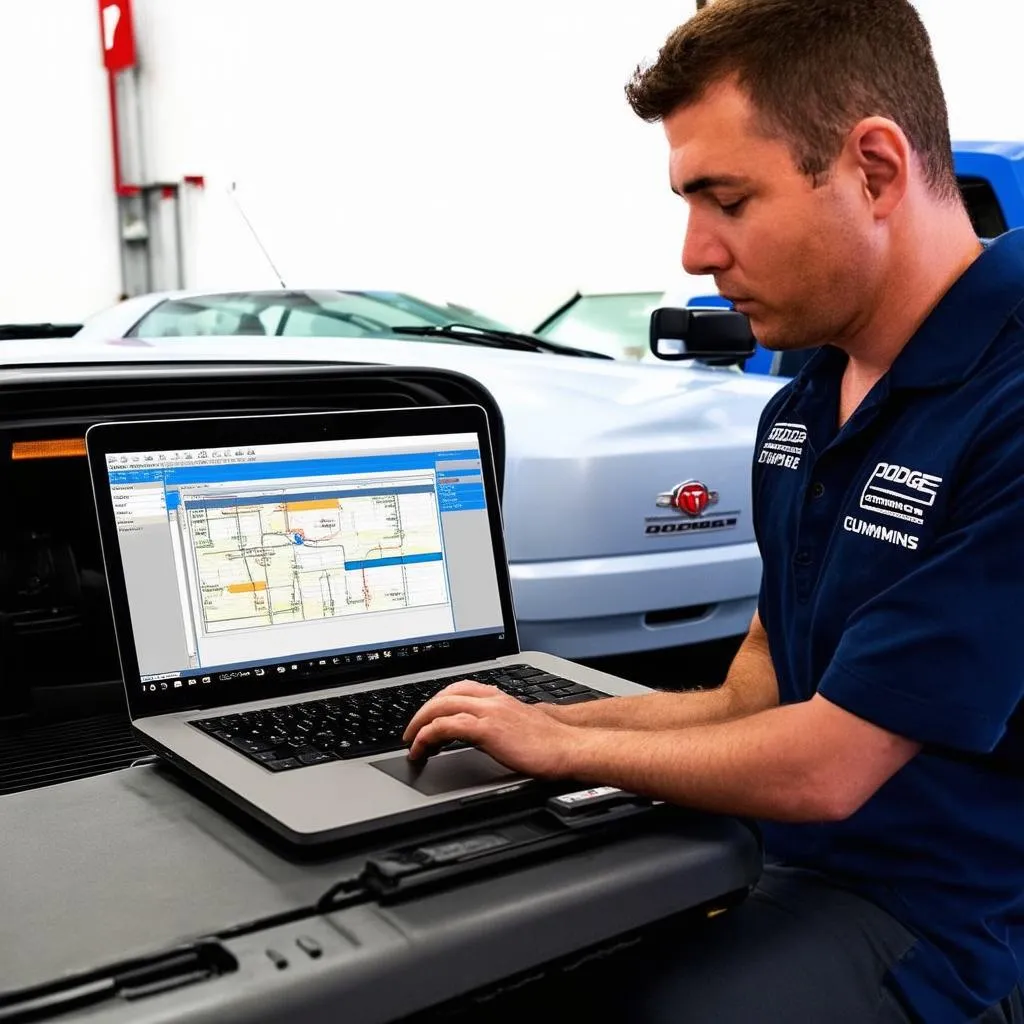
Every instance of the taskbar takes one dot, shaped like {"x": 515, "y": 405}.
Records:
{"x": 308, "y": 667}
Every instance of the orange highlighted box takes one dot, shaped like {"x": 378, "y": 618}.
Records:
{"x": 247, "y": 588}
{"x": 312, "y": 506}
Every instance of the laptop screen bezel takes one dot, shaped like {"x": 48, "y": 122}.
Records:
{"x": 291, "y": 428}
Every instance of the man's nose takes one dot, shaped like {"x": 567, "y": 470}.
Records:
{"x": 703, "y": 252}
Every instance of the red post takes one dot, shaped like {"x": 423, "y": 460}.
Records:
{"x": 117, "y": 34}
{"x": 117, "y": 40}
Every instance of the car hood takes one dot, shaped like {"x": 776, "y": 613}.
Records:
{"x": 591, "y": 443}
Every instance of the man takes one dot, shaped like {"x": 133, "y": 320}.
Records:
{"x": 869, "y": 718}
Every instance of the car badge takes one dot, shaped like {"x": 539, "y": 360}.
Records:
{"x": 691, "y": 498}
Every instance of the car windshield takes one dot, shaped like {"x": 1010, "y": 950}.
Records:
{"x": 617, "y": 325}
{"x": 299, "y": 314}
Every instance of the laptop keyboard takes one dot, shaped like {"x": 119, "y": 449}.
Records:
{"x": 370, "y": 722}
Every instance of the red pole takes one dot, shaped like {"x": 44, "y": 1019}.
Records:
{"x": 120, "y": 188}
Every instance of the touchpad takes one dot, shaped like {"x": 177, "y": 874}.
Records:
{"x": 442, "y": 773}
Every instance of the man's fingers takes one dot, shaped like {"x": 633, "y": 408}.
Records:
{"x": 449, "y": 701}
{"x": 460, "y": 726}
{"x": 469, "y": 688}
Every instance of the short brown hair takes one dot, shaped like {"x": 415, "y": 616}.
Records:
{"x": 812, "y": 69}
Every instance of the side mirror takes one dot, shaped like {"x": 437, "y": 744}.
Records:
{"x": 722, "y": 336}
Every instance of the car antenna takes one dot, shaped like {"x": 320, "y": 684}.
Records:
{"x": 248, "y": 223}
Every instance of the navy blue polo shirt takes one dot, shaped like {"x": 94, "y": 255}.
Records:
{"x": 894, "y": 586}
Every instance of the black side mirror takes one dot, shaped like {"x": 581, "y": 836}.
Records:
{"x": 721, "y": 336}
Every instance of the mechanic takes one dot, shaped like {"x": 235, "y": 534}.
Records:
{"x": 869, "y": 718}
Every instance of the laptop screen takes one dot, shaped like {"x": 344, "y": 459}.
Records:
{"x": 272, "y": 561}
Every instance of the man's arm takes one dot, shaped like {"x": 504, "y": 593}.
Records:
{"x": 749, "y": 687}
{"x": 810, "y": 761}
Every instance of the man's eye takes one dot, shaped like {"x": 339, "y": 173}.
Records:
{"x": 732, "y": 208}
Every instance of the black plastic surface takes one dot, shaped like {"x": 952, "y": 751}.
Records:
{"x": 130, "y": 865}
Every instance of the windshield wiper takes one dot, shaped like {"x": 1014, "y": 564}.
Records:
{"x": 493, "y": 338}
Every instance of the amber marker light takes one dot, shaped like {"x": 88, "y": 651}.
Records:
{"x": 59, "y": 449}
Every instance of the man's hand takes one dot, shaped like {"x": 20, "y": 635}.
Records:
{"x": 521, "y": 736}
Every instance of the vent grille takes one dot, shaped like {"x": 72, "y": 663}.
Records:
{"x": 44, "y": 755}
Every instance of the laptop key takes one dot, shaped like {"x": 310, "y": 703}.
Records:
{"x": 524, "y": 671}
{"x": 298, "y": 750}
{"x": 367, "y": 749}
{"x": 248, "y": 745}
{"x": 317, "y": 757}
{"x": 577, "y": 688}
{"x": 282, "y": 765}
{"x": 576, "y": 698}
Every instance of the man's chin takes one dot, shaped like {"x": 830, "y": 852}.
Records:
{"x": 765, "y": 336}
{"x": 769, "y": 335}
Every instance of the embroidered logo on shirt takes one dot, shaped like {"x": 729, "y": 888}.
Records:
{"x": 783, "y": 446}
{"x": 876, "y": 532}
{"x": 900, "y": 493}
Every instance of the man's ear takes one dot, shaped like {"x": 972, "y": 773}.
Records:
{"x": 883, "y": 158}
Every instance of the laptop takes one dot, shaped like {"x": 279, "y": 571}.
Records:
{"x": 287, "y": 591}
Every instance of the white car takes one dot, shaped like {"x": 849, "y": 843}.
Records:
{"x": 627, "y": 494}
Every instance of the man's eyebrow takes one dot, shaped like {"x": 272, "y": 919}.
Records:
{"x": 696, "y": 185}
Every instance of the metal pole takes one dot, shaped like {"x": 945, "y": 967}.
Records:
{"x": 178, "y": 244}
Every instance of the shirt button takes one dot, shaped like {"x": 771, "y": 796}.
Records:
{"x": 803, "y": 557}
{"x": 817, "y": 490}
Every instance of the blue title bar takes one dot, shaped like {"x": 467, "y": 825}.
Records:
{"x": 180, "y": 476}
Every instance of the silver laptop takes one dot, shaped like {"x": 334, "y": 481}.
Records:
{"x": 287, "y": 590}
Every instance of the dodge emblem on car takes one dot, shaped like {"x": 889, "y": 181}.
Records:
{"x": 691, "y": 498}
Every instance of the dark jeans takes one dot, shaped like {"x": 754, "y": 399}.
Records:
{"x": 799, "y": 950}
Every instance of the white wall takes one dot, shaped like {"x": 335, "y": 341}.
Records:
{"x": 475, "y": 151}
{"x": 58, "y": 227}
{"x": 977, "y": 45}
{"x": 480, "y": 152}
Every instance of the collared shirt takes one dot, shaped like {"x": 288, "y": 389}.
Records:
{"x": 893, "y": 585}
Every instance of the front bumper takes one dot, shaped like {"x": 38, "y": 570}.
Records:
{"x": 592, "y": 607}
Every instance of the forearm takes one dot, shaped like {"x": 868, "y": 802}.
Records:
{"x": 651, "y": 710}
{"x": 757, "y": 766}
{"x": 749, "y": 687}
{"x": 811, "y": 761}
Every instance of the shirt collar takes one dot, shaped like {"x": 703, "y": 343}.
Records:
{"x": 957, "y": 332}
